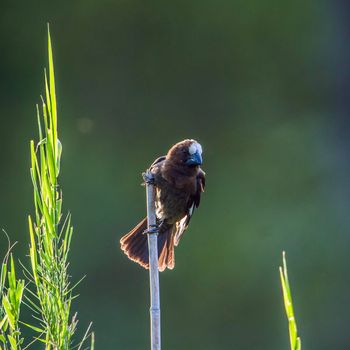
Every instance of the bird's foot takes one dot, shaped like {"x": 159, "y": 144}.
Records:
{"x": 148, "y": 178}
{"x": 151, "y": 229}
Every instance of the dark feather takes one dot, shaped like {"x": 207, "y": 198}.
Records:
{"x": 135, "y": 245}
{"x": 193, "y": 203}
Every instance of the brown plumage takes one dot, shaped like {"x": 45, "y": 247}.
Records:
{"x": 179, "y": 182}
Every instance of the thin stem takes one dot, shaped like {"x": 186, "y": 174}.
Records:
{"x": 153, "y": 269}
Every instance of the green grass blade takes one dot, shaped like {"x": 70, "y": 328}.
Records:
{"x": 295, "y": 341}
{"x": 52, "y": 92}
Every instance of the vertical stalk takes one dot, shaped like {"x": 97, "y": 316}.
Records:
{"x": 153, "y": 268}
{"x": 295, "y": 342}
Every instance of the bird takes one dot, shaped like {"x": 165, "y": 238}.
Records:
{"x": 179, "y": 182}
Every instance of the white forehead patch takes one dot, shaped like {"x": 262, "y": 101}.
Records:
{"x": 195, "y": 147}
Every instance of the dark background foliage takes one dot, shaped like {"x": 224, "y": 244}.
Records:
{"x": 263, "y": 86}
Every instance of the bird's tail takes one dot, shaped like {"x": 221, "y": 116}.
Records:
{"x": 135, "y": 245}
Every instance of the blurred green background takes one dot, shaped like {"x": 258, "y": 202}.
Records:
{"x": 263, "y": 85}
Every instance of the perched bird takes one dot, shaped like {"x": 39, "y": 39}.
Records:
{"x": 179, "y": 182}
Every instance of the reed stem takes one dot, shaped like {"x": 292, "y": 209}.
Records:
{"x": 153, "y": 267}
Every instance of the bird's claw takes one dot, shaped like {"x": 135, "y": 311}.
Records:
{"x": 151, "y": 229}
{"x": 148, "y": 178}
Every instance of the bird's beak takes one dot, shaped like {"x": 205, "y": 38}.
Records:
{"x": 195, "y": 159}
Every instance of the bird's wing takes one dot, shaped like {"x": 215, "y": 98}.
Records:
{"x": 193, "y": 203}
{"x": 157, "y": 161}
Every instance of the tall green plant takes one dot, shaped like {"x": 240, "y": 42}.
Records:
{"x": 50, "y": 234}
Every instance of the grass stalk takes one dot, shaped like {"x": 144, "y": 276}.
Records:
{"x": 50, "y": 234}
{"x": 11, "y": 293}
{"x": 295, "y": 341}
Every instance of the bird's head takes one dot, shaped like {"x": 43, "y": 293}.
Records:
{"x": 187, "y": 152}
